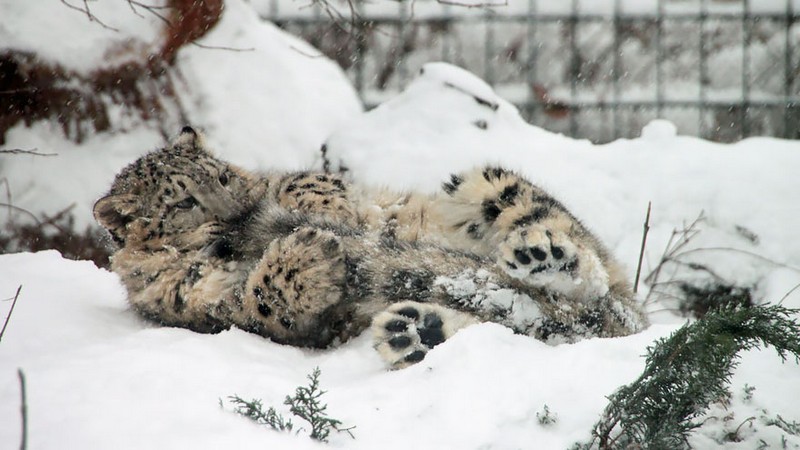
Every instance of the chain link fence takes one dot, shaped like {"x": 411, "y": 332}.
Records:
{"x": 597, "y": 69}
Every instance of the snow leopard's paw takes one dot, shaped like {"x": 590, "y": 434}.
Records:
{"x": 317, "y": 193}
{"x": 550, "y": 259}
{"x": 406, "y": 331}
{"x": 199, "y": 237}
{"x": 291, "y": 291}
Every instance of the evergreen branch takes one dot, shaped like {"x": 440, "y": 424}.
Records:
{"x": 792, "y": 428}
{"x": 688, "y": 371}
{"x": 305, "y": 404}
{"x": 254, "y": 411}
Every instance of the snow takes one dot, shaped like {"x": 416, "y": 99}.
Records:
{"x": 257, "y": 110}
{"x": 264, "y": 102}
{"x": 47, "y": 27}
{"x": 431, "y": 129}
{"x": 100, "y": 377}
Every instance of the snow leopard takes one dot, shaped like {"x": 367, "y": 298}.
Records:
{"x": 309, "y": 259}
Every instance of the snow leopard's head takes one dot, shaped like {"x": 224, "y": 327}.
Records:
{"x": 173, "y": 190}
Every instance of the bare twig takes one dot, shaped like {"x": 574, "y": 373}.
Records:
{"x": 52, "y": 220}
{"x": 23, "y": 410}
{"x": 88, "y": 12}
{"x": 152, "y": 9}
{"x": 641, "y": 251}
{"x": 481, "y": 101}
{"x": 677, "y": 242}
{"x": 318, "y": 55}
{"x": 8, "y": 317}
{"x": 16, "y": 151}
{"x": 9, "y": 201}
{"x": 743, "y": 252}
{"x": 789, "y": 293}
{"x": 734, "y": 435}
{"x": 472, "y": 5}
{"x": 669, "y": 310}
{"x": 214, "y": 47}
{"x": 337, "y": 17}
{"x": 22, "y": 210}
{"x": 676, "y": 252}
{"x": 17, "y": 91}
{"x": 699, "y": 267}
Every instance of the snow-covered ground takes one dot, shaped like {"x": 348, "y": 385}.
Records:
{"x": 99, "y": 377}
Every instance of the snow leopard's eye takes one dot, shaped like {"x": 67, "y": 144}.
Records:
{"x": 223, "y": 179}
{"x": 187, "y": 203}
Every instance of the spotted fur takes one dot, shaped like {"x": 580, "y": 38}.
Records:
{"x": 306, "y": 259}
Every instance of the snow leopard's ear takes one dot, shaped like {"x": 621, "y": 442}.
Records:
{"x": 113, "y": 212}
{"x": 189, "y": 139}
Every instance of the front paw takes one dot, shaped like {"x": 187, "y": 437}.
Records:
{"x": 200, "y": 237}
{"x": 550, "y": 259}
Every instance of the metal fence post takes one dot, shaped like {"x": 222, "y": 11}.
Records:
{"x": 747, "y": 31}
{"x": 788, "y": 78}
{"x": 575, "y": 70}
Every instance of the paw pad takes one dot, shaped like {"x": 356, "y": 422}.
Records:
{"x": 546, "y": 257}
{"x": 406, "y": 331}
{"x": 529, "y": 251}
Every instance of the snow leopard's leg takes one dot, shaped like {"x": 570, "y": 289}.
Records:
{"x": 294, "y": 294}
{"x": 532, "y": 236}
{"x": 315, "y": 193}
{"x": 405, "y": 332}
{"x": 183, "y": 289}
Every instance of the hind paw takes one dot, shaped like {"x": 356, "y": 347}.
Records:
{"x": 550, "y": 259}
{"x": 405, "y": 332}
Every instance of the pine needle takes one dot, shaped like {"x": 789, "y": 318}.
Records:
{"x": 688, "y": 371}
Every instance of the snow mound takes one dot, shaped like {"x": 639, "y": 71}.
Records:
{"x": 271, "y": 101}
{"x": 266, "y": 101}
{"x": 445, "y": 122}
{"x": 47, "y": 28}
